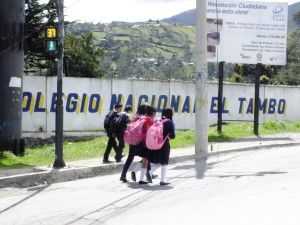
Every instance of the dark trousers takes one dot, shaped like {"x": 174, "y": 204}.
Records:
{"x": 129, "y": 160}
{"x": 112, "y": 143}
{"x": 121, "y": 146}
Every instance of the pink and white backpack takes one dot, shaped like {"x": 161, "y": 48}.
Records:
{"x": 134, "y": 131}
{"x": 154, "y": 138}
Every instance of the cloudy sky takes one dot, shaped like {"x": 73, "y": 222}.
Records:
{"x": 129, "y": 10}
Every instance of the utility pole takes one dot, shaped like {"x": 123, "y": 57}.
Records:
{"x": 201, "y": 119}
{"x": 12, "y": 18}
{"x": 59, "y": 161}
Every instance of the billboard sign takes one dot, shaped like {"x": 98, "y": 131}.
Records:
{"x": 246, "y": 32}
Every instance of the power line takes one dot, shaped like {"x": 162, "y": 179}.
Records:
{"x": 72, "y": 5}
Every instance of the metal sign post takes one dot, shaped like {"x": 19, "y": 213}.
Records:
{"x": 256, "y": 98}
{"x": 220, "y": 96}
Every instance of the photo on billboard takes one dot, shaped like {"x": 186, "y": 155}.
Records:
{"x": 211, "y": 51}
{"x": 213, "y": 27}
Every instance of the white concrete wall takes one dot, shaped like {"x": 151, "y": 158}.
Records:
{"x": 86, "y": 102}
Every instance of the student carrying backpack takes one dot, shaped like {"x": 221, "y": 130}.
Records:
{"x": 134, "y": 132}
{"x": 160, "y": 157}
{"x": 133, "y": 149}
{"x": 117, "y": 123}
{"x": 108, "y": 118}
{"x": 154, "y": 138}
{"x": 112, "y": 135}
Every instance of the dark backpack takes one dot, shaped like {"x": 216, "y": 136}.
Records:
{"x": 118, "y": 122}
{"x": 108, "y": 118}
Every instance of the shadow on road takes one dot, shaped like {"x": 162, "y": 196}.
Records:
{"x": 124, "y": 203}
{"x": 150, "y": 187}
{"x": 201, "y": 167}
{"x": 37, "y": 190}
{"x": 243, "y": 174}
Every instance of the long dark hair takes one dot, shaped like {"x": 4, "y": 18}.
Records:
{"x": 168, "y": 113}
{"x": 141, "y": 110}
{"x": 150, "y": 110}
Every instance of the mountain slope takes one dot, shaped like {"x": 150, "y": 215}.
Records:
{"x": 189, "y": 17}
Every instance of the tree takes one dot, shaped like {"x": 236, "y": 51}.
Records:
{"x": 289, "y": 75}
{"x": 296, "y": 17}
{"x": 37, "y": 16}
{"x": 83, "y": 56}
{"x": 243, "y": 73}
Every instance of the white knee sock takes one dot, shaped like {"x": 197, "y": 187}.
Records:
{"x": 143, "y": 172}
{"x": 137, "y": 167}
{"x": 163, "y": 173}
{"x": 154, "y": 166}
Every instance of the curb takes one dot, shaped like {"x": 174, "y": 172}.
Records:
{"x": 57, "y": 175}
{"x": 69, "y": 174}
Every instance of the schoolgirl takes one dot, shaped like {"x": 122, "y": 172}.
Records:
{"x": 133, "y": 149}
{"x": 160, "y": 158}
{"x": 144, "y": 152}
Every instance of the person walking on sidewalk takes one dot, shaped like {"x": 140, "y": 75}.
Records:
{"x": 112, "y": 143}
{"x": 124, "y": 118}
{"x": 144, "y": 152}
{"x": 160, "y": 158}
{"x": 133, "y": 149}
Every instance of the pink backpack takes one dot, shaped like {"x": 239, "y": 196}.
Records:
{"x": 134, "y": 131}
{"x": 154, "y": 138}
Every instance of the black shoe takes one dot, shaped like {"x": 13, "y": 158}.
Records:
{"x": 123, "y": 179}
{"x": 107, "y": 161}
{"x": 143, "y": 182}
{"x": 133, "y": 177}
{"x": 120, "y": 160}
{"x": 154, "y": 176}
{"x": 149, "y": 178}
{"x": 163, "y": 183}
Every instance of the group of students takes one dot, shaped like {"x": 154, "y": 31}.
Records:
{"x": 151, "y": 160}
{"x": 116, "y": 134}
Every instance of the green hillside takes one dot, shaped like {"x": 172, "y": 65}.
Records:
{"x": 161, "y": 50}
{"x": 151, "y": 49}
{"x": 149, "y": 39}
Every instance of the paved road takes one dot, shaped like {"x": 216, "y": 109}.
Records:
{"x": 257, "y": 187}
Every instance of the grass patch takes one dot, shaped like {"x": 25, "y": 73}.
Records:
{"x": 121, "y": 38}
{"x": 95, "y": 148}
{"x": 10, "y": 161}
{"x": 99, "y": 35}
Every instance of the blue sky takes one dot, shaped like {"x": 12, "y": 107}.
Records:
{"x": 129, "y": 10}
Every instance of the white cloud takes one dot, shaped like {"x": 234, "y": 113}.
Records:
{"x": 128, "y": 10}
{"x": 124, "y": 10}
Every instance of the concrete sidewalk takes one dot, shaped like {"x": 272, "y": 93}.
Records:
{"x": 28, "y": 177}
